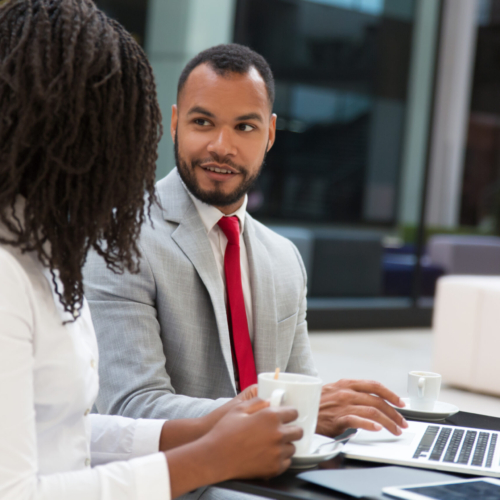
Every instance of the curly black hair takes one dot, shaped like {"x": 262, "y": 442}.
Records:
{"x": 79, "y": 131}
{"x": 230, "y": 58}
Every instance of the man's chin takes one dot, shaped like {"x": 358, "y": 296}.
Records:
{"x": 218, "y": 198}
{"x": 220, "y": 194}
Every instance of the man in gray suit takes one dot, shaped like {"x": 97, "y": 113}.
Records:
{"x": 182, "y": 336}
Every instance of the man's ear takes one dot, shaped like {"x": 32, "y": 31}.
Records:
{"x": 272, "y": 132}
{"x": 173, "y": 121}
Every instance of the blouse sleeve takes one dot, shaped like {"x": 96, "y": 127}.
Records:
{"x": 121, "y": 438}
{"x": 144, "y": 478}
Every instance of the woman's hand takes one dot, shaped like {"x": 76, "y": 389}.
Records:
{"x": 210, "y": 420}
{"x": 250, "y": 441}
{"x": 179, "y": 432}
{"x": 253, "y": 441}
{"x": 249, "y": 393}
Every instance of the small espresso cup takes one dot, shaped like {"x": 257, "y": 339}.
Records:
{"x": 423, "y": 390}
{"x": 301, "y": 392}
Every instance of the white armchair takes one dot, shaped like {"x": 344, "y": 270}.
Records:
{"x": 466, "y": 328}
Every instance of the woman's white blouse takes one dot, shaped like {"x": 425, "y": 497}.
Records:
{"x": 51, "y": 446}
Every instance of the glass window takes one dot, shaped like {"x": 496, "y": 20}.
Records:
{"x": 480, "y": 197}
{"x": 349, "y": 80}
{"x": 341, "y": 94}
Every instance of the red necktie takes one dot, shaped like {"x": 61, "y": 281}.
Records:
{"x": 236, "y": 314}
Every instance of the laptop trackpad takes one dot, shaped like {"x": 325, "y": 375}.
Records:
{"x": 368, "y": 438}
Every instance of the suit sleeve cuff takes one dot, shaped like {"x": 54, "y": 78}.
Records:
{"x": 146, "y": 437}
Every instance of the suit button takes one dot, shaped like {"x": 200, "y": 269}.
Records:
{"x": 92, "y": 363}
{"x": 87, "y": 462}
{"x": 87, "y": 411}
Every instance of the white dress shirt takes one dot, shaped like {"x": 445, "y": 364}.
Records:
{"x": 210, "y": 216}
{"x": 49, "y": 441}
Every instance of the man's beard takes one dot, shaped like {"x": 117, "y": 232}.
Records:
{"x": 215, "y": 197}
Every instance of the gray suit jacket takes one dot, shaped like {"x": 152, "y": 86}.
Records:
{"x": 163, "y": 335}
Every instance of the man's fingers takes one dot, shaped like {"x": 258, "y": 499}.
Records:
{"x": 287, "y": 414}
{"x": 292, "y": 433}
{"x": 372, "y": 387}
{"x": 389, "y": 410}
{"x": 362, "y": 399}
{"x": 345, "y": 398}
{"x": 357, "y": 422}
{"x": 376, "y": 416}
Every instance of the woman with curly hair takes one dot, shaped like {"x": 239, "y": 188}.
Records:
{"x": 79, "y": 130}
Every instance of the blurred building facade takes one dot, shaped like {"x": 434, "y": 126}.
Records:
{"x": 388, "y": 127}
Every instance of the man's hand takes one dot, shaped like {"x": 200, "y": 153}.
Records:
{"x": 359, "y": 404}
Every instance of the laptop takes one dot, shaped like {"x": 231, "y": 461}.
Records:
{"x": 431, "y": 446}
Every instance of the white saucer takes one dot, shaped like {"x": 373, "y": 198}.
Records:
{"x": 327, "y": 452}
{"x": 441, "y": 411}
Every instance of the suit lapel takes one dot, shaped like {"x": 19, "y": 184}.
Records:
{"x": 263, "y": 300}
{"x": 192, "y": 239}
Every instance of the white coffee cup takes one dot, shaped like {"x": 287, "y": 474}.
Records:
{"x": 423, "y": 390}
{"x": 301, "y": 392}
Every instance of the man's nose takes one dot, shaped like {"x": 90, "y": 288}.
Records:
{"x": 222, "y": 144}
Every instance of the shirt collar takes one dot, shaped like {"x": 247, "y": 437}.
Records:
{"x": 211, "y": 215}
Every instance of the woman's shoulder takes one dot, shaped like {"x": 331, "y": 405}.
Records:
{"x": 13, "y": 267}
{"x": 23, "y": 270}
{"x": 10, "y": 262}
{"x": 16, "y": 297}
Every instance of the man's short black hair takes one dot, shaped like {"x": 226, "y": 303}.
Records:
{"x": 230, "y": 58}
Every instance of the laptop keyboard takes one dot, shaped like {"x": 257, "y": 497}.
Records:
{"x": 426, "y": 442}
{"x": 467, "y": 446}
{"x": 451, "y": 445}
{"x": 454, "y": 445}
{"x": 482, "y": 444}
{"x": 440, "y": 445}
{"x": 491, "y": 450}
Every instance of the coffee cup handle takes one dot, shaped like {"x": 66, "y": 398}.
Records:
{"x": 421, "y": 387}
{"x": 276, "y": 398}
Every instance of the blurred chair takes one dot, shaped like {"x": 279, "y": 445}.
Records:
{"x": 303, "y": 239}
{"x": 479, "y": 255}
{"x": 346, "y": 263}
{"x": 399, "y": 273}
{"x": 466, "y": 332}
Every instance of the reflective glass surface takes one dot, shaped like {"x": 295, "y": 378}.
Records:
{"x": 341, "y": 69}
{"x": 480, "y": 197}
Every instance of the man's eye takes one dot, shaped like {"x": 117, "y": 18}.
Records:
{"x": 244, "y": 127}
{"x": 202, "y": 122}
